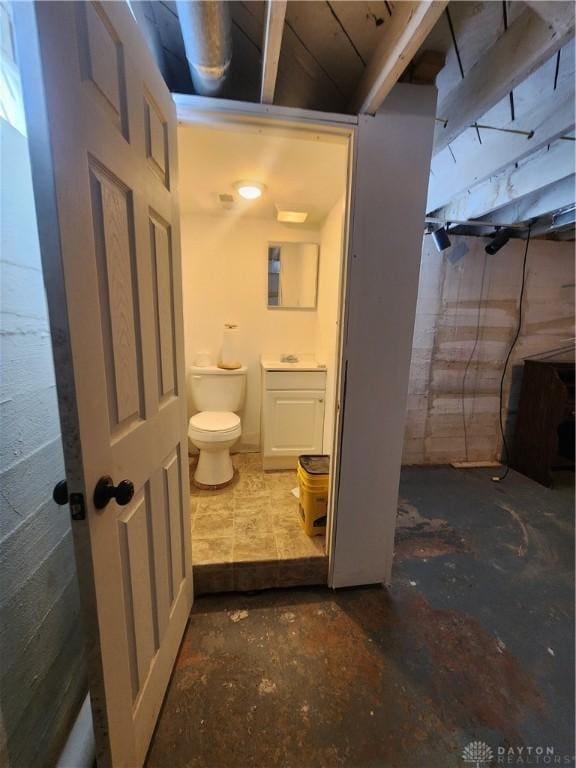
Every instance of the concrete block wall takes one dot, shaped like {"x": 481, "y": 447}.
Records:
{"x": 466, "y": 318}
{"x": 42, "y": 667}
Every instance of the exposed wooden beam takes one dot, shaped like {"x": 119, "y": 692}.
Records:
{"x": 550, "y": 118}
{"x": 425, "y": 67}
{"x": 273, "y": 30}
{"x": 544, "y": 201}
{"x": 528, "y": 43}
{"x": 404, "y": 33}
{"x": 553, "y": 13}
{"x": 479, "y": 223}
{"x": 554, "y": 226}
{"x": 546, "y": 167}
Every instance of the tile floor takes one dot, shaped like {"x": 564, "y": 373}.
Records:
{"x": 248, "y": 535}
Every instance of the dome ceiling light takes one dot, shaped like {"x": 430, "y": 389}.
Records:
{"x": 249, "y": 190}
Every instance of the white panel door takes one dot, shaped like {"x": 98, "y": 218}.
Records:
{"x": 294, "y": 423}
{"x": 102, "y": 132}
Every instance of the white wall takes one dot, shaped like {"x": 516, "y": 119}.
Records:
{"x": 42, "y": 672}
{"x": 224, "y": 261}
{"x": 392, "y": 167}
{"x": 466, "y": 318}
{"x": 225, "y": 274}
{"x": 328, "y": 320}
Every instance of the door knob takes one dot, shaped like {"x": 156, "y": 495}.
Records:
{"x": 106, "y": 490}
{"x": 60, "y": 493}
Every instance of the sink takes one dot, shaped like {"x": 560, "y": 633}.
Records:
{"x": 306, "y": 362}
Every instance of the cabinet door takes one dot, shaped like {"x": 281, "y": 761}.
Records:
{"x": 293, "y": 423}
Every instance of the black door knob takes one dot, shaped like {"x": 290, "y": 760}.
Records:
{"x": 106, "y": 490}
{"x": 60, "y": 493}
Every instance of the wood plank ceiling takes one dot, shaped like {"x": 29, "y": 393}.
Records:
{"x": 325, "y": 49}
{"x": 480, "y": 48}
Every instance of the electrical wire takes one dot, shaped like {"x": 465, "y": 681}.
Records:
{"x": 504, "y": 475}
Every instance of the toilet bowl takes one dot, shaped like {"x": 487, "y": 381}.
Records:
{"x": 214, "y": 433}
{"x": 216, "y": 393}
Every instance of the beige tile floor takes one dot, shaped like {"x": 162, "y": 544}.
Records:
{"x": 255, "y": 519}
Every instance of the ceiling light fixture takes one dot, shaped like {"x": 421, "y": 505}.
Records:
{"x": 498, "y": 241}
{"x": 441, "y": 239}
{"x": 290, "y": 217}
{"x": 249, "y": 190}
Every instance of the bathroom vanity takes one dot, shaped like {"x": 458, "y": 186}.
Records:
{"x": 293, "y": 395}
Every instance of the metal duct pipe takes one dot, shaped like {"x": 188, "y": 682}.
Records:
{"x": 206, "y": 30}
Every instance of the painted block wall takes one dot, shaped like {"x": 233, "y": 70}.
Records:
{"x": 42, "y": 675}
{"x": 466, "y": 318}
{"x": 224, "y": 264}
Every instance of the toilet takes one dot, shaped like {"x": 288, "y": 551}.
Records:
{"x": 217, "y": 394}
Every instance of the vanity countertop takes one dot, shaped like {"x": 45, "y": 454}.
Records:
{"x": 305, "y": 363}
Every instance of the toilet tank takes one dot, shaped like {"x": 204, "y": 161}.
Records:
{"x": 216, "y": 389}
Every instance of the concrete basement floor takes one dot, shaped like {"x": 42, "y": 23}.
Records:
{"x": 473, "y": 641}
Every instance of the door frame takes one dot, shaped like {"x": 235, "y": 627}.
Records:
{"x": 191, "y": 110}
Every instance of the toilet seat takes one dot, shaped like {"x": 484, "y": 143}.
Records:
{"x": 215, "y": 421}
{"x": 214, "y": 425}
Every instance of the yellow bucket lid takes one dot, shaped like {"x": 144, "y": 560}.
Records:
{"x": 315, "y": 464}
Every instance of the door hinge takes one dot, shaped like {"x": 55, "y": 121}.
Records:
{"x": 77, "y": 507}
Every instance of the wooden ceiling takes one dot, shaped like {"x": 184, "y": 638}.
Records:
{"x": 504, "y": 71}
{"x": 326, "y": 46}
{"x": 325, "y": 49}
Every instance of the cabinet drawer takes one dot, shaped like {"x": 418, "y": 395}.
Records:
{"x": 295, "y": 380}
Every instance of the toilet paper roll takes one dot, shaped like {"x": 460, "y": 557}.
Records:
{"x": 229, "y": 357}
{"x": 202, "y": 359}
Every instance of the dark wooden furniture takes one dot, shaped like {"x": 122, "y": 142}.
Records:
{"x": 544, "y": 433}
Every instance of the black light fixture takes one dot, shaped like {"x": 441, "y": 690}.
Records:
{"x": 498, "y": 241}
{"x": 441, "y": 239}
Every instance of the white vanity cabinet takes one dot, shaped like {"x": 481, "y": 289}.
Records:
{"x": 292, "y": 415}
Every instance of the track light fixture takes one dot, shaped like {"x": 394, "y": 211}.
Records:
{"x": 498, "y": 241}
{"x": 441, "y": 239}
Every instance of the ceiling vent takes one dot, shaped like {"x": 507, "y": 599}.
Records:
{"x": 290, "y": 217}
{"x": 226, "y": 200}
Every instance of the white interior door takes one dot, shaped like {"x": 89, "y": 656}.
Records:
{"x": 102, "y": 132}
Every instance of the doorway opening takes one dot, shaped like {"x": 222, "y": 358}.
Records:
{"x": 263, "y": 221}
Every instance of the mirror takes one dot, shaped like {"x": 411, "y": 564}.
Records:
{"x": 292, "y": 275}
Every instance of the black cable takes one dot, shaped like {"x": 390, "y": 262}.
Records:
{"x": 511, "y": 94}
{"x": 499, "y": 478}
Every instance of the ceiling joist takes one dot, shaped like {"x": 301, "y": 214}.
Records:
{"x": 546, "y": 167}
{"x": 553, "y": 13}
{"x": 549, "y": 118}
{"x": 528, "y": 43}
{"x": 405, "y": 31}
{"x": 273, "y": 31}
{"x": 543, "y": 202}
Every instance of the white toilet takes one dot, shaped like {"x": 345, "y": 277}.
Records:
{"x": 217, "y": 394}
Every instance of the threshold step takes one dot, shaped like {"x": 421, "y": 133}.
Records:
{"x": 261, "y": 574}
